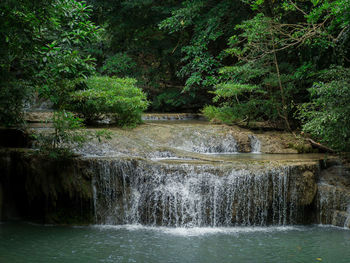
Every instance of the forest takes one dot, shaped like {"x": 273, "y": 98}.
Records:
{"x": 234, "y": 61}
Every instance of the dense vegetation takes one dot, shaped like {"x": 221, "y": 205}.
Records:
{"x": 284, "y": 62}
{"x": 103, "y": 95}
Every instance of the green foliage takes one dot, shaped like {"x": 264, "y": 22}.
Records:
{"x": 172, "y": 100}
{"x": 20, "y": 23}
{"x": 209, "y": 24}
{"x": 229, "y": 90}
{"x": 255, "y": 58}
{"x": 267, "y": 77}
{"x": 12, "y": 97}
{"x": 200, "y": 67}
{"x": 327, "y": 116}
{"x": 104, "y": 95}
{"x": 68, "y": 132}
{"x": 222, "y": 114}
{"x": 64, "y": 57}
{"x": 133, "y": 37}
{"x": 247, "y": 92}
{"x": 44, "y": 44}
{"x": 173, "y": 43}
{"x": 120, "y": 65}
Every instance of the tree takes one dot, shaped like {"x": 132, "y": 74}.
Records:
{"x": 65, "y": 57}
{"x": 68, "y": 132}
{"x": 327, "y": 116}
{"x": 204, "y": 27}
{"x": 274, "y": 50}
{"x": 44, "y": 44}
{"x": 176, "y": 45}
{"x": 20, "y": 30}
{"x": 135, "y": 46}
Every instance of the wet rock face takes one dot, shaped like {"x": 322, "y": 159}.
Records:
{"x": 10, "y": 137}
{"x": 306, "y": 184}
{"x": 341, "y": 219}
{"x": 44, "y": 190}
{"x": 333, "y": 197}
{"x": 38, "y": 116}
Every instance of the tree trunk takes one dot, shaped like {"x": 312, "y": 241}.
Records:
{"x": 284, "y": 105}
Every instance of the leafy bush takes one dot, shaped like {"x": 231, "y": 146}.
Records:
{"x": 104, "y": 95}
{"x": 327, "y": 116}
{"x": 242, "y": 95}
{"x": 68, "y": 131}
{"x": 219, "y": 114}
{"x": 120, "y": 65}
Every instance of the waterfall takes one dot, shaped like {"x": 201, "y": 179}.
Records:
{"x": 255, "y": 144}
{"x": 201, "y": 142}
{"x": 333, "y": 205}
{"x": 154, "y": 193}
{"x": 347, "y": 220}
{"x": 333, "y": 197}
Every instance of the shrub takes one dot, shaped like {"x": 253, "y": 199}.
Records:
{"x": 104, "y": 95}
{"x": 68, "y": 131}
{"x": 239, "y": 102}
{"x": 120, "y": 65}
{"x": 57, "y": 143}
{"x": 327, "y": 116}
{"x": 219, "y": 114}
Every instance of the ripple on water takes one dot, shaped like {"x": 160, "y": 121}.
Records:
{"x": 199, "y": 231}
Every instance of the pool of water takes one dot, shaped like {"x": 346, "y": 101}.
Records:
{"x": 23, "y": 242}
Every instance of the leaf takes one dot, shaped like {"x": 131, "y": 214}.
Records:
{"x": 315, "y": 2}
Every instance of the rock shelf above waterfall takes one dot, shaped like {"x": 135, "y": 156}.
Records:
{"x": 190, "y": 137}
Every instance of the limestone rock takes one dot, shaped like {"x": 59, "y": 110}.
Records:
{"x": 333, "y": 197}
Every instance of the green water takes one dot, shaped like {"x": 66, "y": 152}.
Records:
{"x": 34, "y": 243}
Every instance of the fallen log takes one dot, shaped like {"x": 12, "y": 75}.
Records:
{"x": 320, "y": 146}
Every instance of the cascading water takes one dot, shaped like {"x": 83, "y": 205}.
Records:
{"x": 347, "y": 220}
{"x": 333, "y": 198}
{"x": 332, "y": 204}
{"x": 204, "y": 143}
{"x": 255, "y": 144}
{"x": 154, "y": 193}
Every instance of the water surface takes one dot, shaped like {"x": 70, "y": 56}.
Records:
{"x": 22, "y": 242}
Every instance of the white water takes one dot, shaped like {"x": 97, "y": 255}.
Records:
{"x": 201, "y": 142}
{"x": 347, "y": 220}
{"x": 255, "y": 144}
{"x": 199, "y": 231}
{"x": 330, "y": 202}
{"x": 184, "y": 195}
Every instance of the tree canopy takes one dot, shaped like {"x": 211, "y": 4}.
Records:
{"x": 237, "y": 61}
